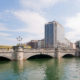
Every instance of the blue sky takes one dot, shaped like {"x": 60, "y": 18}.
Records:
{"x": 28, "y": 17}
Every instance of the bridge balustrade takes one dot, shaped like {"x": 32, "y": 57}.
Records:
{"x": 6, "y": 51}
{"x": 37, "y": 51}
{"x": 68, "y": 51}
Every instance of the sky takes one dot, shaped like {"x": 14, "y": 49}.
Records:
{"x": 27, "y": 18}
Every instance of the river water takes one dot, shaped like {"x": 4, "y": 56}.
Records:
{"x": 41, "y": 69}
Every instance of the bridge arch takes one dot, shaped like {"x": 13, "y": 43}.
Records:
{"x": 2, "y": 58}
{"x": 39, "y": 56}
{"x": 67, "y": 56}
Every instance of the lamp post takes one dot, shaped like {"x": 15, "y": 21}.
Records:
{"x": 19, "y": 39}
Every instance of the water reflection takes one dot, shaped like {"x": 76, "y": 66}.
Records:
{"x": 36, "y": 69}
{"x": 53, "y": 70}
{"x": 17, "y": 66}
{"x": 41, "y": 69}
{"x": 4, "y": 65}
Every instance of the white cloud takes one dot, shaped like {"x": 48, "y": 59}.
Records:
{"x": 34, "y": 22}
{"x": 4, "y": 34}
{"x": 12, "y": 40}
{"x": 34, "y": 26}
{"x": 74, "y": 24}
{"x": 38, "y": 4}
{"x": 8, "y": 41}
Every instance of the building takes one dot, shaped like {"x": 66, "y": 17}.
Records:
{"x": 26, "y": 46}
{"x": 41, "y": 44}
{"x": 73, "y": 45}
{"x": 78, "y": 44}
{"x": 33, "y": 44}
{"x": 54, "y": 34}
{"x": 67, "y": 43}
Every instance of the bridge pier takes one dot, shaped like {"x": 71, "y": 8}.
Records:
{"x": 57, "y": 53}
{"x": 18, "y": 53}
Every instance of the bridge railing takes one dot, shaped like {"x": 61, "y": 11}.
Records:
{"x": 6, "y": 50}
{"x": 68, "y": 51}
{"x": 37, "y": 51}
{"x": 48, "y": 51}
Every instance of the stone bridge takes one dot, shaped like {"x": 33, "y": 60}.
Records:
{"x": 23, "y": 54}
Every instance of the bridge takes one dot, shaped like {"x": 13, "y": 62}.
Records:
{"x": 19, "y": 53}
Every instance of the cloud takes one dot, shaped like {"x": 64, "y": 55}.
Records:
{"x": 4, "y": 34}
{"x": 2, "y": 27}
{"x": 38, "y": 4}
{"x": 34, "y": 22}
{"x": 8, "y": 41}
{"x": 12, "y": 40}
{"x": 74, "y": 24}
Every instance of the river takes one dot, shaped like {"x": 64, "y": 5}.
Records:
{"x": 41, "y": 69}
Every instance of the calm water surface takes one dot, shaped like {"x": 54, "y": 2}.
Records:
{"x": 45, "y": 69}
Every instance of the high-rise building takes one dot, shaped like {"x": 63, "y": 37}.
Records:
{"x": 54, "y": 34}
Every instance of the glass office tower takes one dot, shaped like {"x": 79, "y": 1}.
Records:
{"x": 54, "y": 34}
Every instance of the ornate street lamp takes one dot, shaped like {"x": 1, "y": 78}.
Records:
{"x": 19, "y": 39}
